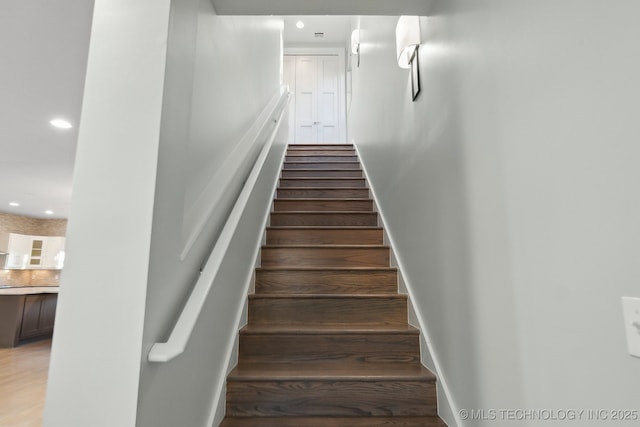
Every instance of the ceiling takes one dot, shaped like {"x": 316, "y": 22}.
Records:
{"x": 43, "y": 54}
{"x": 324, "y": 7}
{"x": 335, "y": 30}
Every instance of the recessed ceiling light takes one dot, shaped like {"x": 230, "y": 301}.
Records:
{"x": 14, "y": 204}
{"x": 60, "y": 123}
{"x": 49, "y": 212}
{"x": 300, "y": 24}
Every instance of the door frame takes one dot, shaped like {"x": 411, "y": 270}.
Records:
{"x": 342, "y": 100}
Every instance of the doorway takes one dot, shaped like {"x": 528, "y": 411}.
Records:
{"x": 316, "y": 77}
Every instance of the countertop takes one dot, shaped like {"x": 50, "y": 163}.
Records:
{"x": 28, "y": 290}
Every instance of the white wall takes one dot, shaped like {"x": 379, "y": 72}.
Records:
{"x": 508, "y": 190}
{"x": 171, "y": 89}
{"x": 221, "y": 73}
{"x": 95, "y": 362}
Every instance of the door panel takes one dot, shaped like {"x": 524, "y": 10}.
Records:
{"x": 329, "y": 135}
{"x": 329, "y": 121}
{"x": 306, "y": 99}
{"x": 31, "y": 316}
{"x": 304, "y": 107}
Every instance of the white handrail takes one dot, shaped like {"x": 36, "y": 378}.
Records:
{"x": 177, "y": 342}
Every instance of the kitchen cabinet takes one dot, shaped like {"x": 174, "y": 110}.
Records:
{"x": 26, "y": 251}
{"x": 26, "y": 315}
{"x": 18, "y": 247}
{"x": 38, "y": 316}
{"x": 53, "y": 253}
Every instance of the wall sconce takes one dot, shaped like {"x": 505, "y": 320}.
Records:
{"x": 407, "y": 39}
{"x": 407, "y": 44}
{"x": 355, "y": 44}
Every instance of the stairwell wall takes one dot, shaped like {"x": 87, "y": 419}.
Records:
{"x": 171, "y": 89}
{"x": 222, "y": 72}
{"x": 507, "y": 191}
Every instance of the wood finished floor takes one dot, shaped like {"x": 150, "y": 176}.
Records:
{"x": 23, "y": 383}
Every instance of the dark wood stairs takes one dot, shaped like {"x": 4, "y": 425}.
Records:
{"x": 327, "y": 342}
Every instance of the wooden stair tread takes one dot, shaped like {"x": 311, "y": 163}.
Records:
{"x": 333, "y": 422}
{"x": 324, "y": 227}
{"x": 317, "y": 199}
{"x": 347, "y": 329}
{"x": 325, "y": 178}
{"x": 323, "y": 247}
{"x": 324, "y": 234}
{"x": 322, "y": 188}
{"x": 312, "y": 157}
{"x": 341, "y": 148}
{"x": 331, "y": 372}
{"x": 296, "y": 165}
{"x": 325, "y": 170}
{"x": 325, "y": 218}
{"x": 320, "y": 182}
{"x": 327, "y": 296}
{"x": 326, "y": 269}
{"x": 306, "y": 159}
{"x": 326, "y": 213}
{"x": 295, "y": 146}
{"x": 322, "y": 192}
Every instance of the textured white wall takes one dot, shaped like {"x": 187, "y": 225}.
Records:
{"x": 508, "y": 189}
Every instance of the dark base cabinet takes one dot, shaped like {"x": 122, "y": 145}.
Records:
{"x": 26, "y": 317}
{"x": 38, "y": 316}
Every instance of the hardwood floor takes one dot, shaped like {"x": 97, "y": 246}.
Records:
{"x": 23, "y": 383}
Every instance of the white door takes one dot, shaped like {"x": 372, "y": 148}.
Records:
{"x": 317, "y": 110}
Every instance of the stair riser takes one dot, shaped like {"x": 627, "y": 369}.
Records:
{"x": 318, "y": 236}
{"x": 321, "y": 159}
{"x": 283, "y": 219}
{"x": 328, "y": 311}
{"x": 320, "y": 152}
{"x": 331, "y": 398}
{"x": 293, "y": 205}
{"x": 322, "y": 173}
{"x": 322, "y": 183}
{"x": 323, "y": 193}
{"x": 330, "y": 348}
{"x": 326, "y": 282}
{"x": 325, "y": 257}
{"x": 296, "y": 165}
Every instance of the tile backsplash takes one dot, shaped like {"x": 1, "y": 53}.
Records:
{"x": 30, "y": 277}
{"x": 10, "y": 223}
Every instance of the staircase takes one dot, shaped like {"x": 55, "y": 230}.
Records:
{"x": 327, "y": 343}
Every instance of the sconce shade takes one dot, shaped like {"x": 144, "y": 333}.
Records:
{"x": 355, "y": 41}
{"x": 407, "y": 39}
